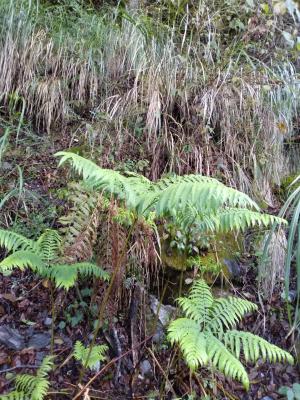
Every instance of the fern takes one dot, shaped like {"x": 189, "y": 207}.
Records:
{"x": 13, "y": 241}
{"x": 15, "y": 395}
{"x": 48, "y": 245}
{"x": 22, "y": 259}
{"x": 79, "y": 226}
{"x": 42, "y": 257}
{"x": 208, "y": 203}
{"x": 30, "y": 387}
{"x": 206, "y": 337}
{"x": 65, "y": 276}
{"x": 89, "y": 358}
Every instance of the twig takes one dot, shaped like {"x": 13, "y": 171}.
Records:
{"x": 17, "y": 367}
{"x": 162, "y": 371}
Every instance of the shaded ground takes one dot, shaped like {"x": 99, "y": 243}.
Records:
{"x": 25, "y": 306}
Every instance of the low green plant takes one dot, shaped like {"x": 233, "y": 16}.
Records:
{"x": 89, "y": 358}
{"x": 42, "y": 257}
{"x": 206, "y": 336}
{"x": 32, "y": 387}
{"x": 290, "y": 393}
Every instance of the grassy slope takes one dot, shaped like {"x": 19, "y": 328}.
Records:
{"x": 211, "y": 89}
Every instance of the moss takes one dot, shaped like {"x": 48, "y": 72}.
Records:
{"x": 228, "y": 247}
{"x": 285, "y": 187}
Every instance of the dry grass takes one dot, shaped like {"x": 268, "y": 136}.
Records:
{"x": 187, "y": 100}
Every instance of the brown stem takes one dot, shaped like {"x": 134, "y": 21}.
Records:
{"x": 105, "y": 300}
{"x": 163, "y": 372}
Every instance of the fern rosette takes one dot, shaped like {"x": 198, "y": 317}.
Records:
{"x": 206, "y": 335}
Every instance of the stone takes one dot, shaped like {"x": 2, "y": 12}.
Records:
{"x": 48, "y": 321}
{"x": 39, "y": 341}
{"x": 11, "y": 338}
{"x": 146, "y": 369}
{"x": 292, "y": 296}
{"x": 165, "y": 312}
{"x": 267, "y": 398}
{"x": 159, "y": 335}
{"x": 233, "y": 267}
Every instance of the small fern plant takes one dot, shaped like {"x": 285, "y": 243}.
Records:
{"x": 206, "y": 335}
{"x": 89, "y": 358}
{"x": 42, "y": 257}
{"x": 32, "y": 387}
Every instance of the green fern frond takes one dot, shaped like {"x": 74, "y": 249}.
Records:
{"x": 228, "y": 312}
{"x": 49, "y": 243}
{"x": 45, "y": 367}
{"x": 198, "y": 303}
{"x": 97, "y": 354}
{"x": 12, "y": 241}
{"x": 41, "y": 388}
{"x": 225, "y": 362}
{"x": 89, "y": 269}
{"x": 254, "y": 347}
{"x": 180, "y": 327}
{"x": 203, "y": 338}
{"x": 15, "y": 395}
{"x": 192, "y": 341}
{"x": 65, "y": 275}
{"x": 25, "y": 383}
{"x": 203, "y": 196}
{"x": 164, "y": 196}
{"x": 240, "y": 219}
{"x": 22, "y": 259}
{"x": 105, "y": 179}
{"x": 194, "y": 349}
{"x": 34, "y": 387}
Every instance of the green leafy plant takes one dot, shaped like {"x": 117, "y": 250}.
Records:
{"x": 32, "y": 387}
{"x": 191, "y": 199}
{"x": 290, "y": 393}
{"x": 290, "y": 210}
{"x": 42, "y": 257}
{"x": 206, "y": 336}
{"x": 89, "y": 359}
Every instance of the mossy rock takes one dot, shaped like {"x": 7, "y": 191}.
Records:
{"x": 229, "y": 247}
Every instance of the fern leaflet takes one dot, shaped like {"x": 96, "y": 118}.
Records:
{"x": 96, "y": 355}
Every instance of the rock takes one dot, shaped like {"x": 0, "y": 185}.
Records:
{"x": 39, "y": 341}
{"x": 11, "y": 338}
{"x": 159, "y": 335}
{"x": 292, "y": 296}
{"x": 48, "y": 321}
{"x": 267, "y": 398}
{"x": 165, "y": 313}
{"x": 233, "y": 268}
{"x": 146, "y": 369}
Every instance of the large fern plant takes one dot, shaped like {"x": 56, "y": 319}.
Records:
{"x": 207, "y": 334}
{"x": 192, "y": 199}
{"x": 42, "y": 256}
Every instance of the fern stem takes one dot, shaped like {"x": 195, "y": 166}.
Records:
{"x": 106, "y": 298}
{"x": 53, "y": 318}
